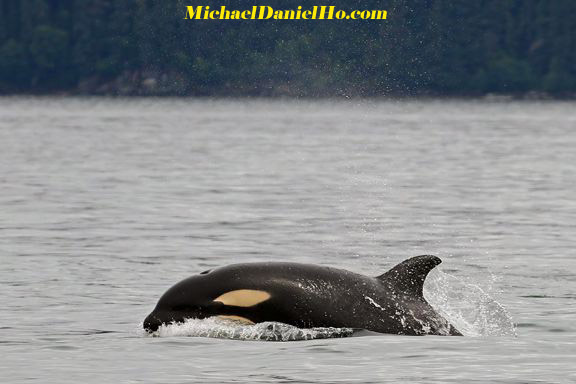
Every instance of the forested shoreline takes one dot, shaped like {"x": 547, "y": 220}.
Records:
{"x": 425, "y": 47}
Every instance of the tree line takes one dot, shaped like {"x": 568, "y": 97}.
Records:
{"x": 425, "y": 47}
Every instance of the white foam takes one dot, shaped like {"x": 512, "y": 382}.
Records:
{"x": 466, "y": 306}
{"x": 226, "y": 329}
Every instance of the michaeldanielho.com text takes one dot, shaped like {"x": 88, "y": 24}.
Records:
{"x": 265, "y": 12}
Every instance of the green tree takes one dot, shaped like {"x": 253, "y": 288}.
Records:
{"x": 49, "y": 47}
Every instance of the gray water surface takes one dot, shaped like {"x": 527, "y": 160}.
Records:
{"x": 105, "y": 203}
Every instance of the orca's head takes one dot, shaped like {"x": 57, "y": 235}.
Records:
{"x": 205, "y": 295}
{"x": 191, "y": 298}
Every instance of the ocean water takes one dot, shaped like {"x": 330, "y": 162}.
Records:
{"x": 106, "y": 203}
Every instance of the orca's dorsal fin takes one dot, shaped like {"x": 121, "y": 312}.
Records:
{"x": 408, "y": 276}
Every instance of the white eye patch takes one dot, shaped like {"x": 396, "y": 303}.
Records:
{"x": 243, "y": 297}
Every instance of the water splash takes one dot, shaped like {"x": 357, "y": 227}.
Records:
{"x": 471, "y": 310}
{"x": 267, "y": 331}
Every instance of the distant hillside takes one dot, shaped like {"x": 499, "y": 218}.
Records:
{"x": 437, "y": 47}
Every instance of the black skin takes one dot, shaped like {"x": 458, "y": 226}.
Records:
{"x": 308, "y": 296}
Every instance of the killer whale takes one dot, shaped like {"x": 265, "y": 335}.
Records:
{"x": 308, "y": 296}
